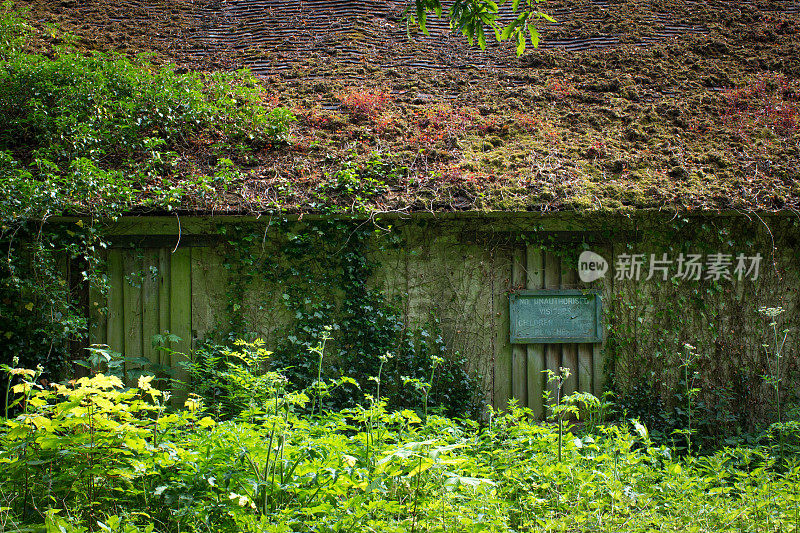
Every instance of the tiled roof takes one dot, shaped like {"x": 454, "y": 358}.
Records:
{"x": 664, "y": 104}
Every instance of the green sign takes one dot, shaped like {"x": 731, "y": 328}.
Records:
{"x": 551, "y": 316}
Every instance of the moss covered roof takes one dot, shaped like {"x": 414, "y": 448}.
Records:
{"x": 626, "y": 104}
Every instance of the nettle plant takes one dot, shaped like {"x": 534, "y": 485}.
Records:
{"x": 688, "y": 358}
{"x": 231, "y": 380}
{"x": 94, "y": 455}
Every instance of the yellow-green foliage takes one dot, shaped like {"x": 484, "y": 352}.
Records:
{"x": 94, "y": 455}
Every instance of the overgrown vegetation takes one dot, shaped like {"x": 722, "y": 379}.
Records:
{"x": 95, "y": 456}
{"x": 704, "y": 363}
{"x": 99, "y": 135}
{"x": 321, "y": 277}
{"x": 340, "y": 426}
{"x": 88, "y": 133}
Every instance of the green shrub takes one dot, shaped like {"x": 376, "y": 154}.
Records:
{"x": 12, "y": 30}
{"x": 321, "y": 274}
{"x": 127, "y": 115}
{"x": 96, "y": 135}
{"x": 232, "y": 380}
{"x": 93, "y": 456}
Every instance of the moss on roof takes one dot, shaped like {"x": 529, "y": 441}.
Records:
{"x": 676, "y": 105}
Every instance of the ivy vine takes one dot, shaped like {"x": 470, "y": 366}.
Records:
{"x": 323, "y": 273}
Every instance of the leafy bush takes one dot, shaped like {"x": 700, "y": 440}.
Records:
{"x": 713, "y": 423}
{"x": 95, "y": 456}
{"x": 783, "y": 438}
{"x": 231, "y": 380}
{"x": 114, "y": 113}
{"x": 80, "y": 445}
{"x": 94, "y": 135}
{"x": 12, "y": 30}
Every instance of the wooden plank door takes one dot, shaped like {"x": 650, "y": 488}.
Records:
{"x": 537, "y": 268}
{"x": 150, "y": 293}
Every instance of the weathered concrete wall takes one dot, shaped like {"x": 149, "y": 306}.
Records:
{"x": 462, "y": 269}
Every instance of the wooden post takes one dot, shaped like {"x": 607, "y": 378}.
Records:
{"x": 115, "y": 321}
{"x": 501, "y": 280}
{"x": 552, "y": 280}
{"x": 163, "y": 299}
{"x": 519, "y": 378}
{"x": 598, "y": 372}
{"x": 569, "y": 352}
{"x": 98, "y": 315}
{"x": 132, "y": 301}
{"x": 598, "y": 380}
{"x": 585, "y": 370}
{"x": 150, "y": 305}
{"x": 535, "y": 352}
{"x": 180, "y": 312}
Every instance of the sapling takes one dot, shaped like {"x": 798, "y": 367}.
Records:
{"x": 593, "y": 408}
{"x": 775, "y": 351}
{"x": 425, "y": 389}
{"x": 559, "y": 409}
{"x": 161, "y": 405}
{"x": 319, "y": 349}
{"x": 262, "y": 492}
{"x": 375, "y": 404}
{"x": 688, "y": 357}
{"x": 25, "y": 389}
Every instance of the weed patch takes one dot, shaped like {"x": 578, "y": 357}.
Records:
{"x": 97, "y": 456}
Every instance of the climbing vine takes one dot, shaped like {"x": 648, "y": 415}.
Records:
{"x": 95, "y": 136}
{"x": 723, "y": 389}
{"x": 322, "y": 272}
{"x": 652, "y": 322}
